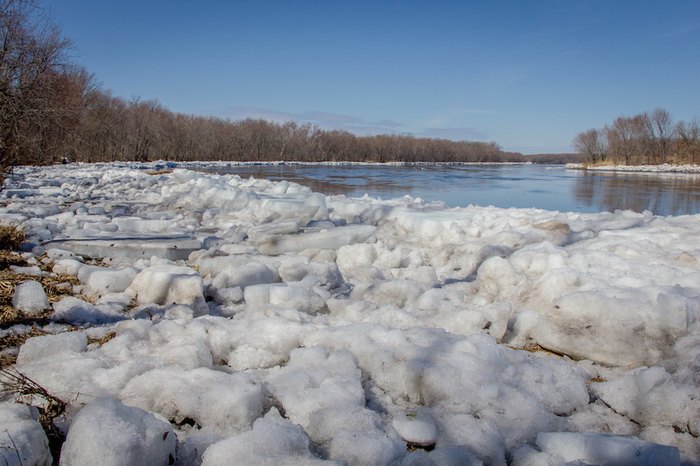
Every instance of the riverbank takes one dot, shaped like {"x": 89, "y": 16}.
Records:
{"x": 664, "y": 168}
{"x": 220, "y": 317}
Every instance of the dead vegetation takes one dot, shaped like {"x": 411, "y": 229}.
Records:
{"x": 10, "y": 237}
{"x": 56, "y": 286}
{"x": 14, "y": 341}
{"x": 102, "y": 340}
{"x": 26, "y": 391}
{"x": 162, "y": 171}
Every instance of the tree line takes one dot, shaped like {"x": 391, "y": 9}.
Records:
{"x": 51, "y": 109}
{"x": 646, "y": 138}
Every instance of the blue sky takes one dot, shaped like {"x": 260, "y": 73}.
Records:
{"x": 528, "y": 75}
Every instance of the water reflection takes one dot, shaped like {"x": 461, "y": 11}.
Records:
{"x": 663, "y": 194}
{"x": 545, "y": 187}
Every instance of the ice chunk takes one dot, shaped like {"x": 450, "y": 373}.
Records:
{"x": 301, "y": 298}
{"x": 605, "y": 450}
{"x": 325, "y": 274}
{"x": 650, "y": 396}
{"x": 227, "y": 295}
{"x": 107, "y": 432}
{"x": 277, "y": 228}
{"x": 226, "y": 403}
{"x": 252, "y": 273}
{"x": 22, "y": 440}
{"x": 259, "y": 295}
{"x": 447, "y": 456}
{"x": 273, "y": 440}
{"x": 416, "y": 429}
{"x": 101, "y": 280}
{"x": 50, "y": 345}
{"x": 30, "y": 298}
{"x": 169, "y": 284}
{"x": 76, "y": 311}
{"x": 621, "y": 329}
{"x": 328, "y": 239}
{"x": 67, "y": 266}
{"x": 171, "y": 248}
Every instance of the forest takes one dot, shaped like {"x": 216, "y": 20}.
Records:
{"x": 647, "y": 138}
{"x": 52, "y": 109}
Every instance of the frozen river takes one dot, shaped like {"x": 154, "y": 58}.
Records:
{"x": 545, "y": 187}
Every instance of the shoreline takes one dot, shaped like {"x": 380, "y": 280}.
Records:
{"x": 663, "y": 168}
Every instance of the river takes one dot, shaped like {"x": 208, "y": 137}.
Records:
{"x": 551, "y": 187}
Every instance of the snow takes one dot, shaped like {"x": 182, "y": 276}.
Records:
{"x": 47, "y": 346}
{"x": 109, "y": 433}
{"x": 257, "y": 320}
{"x": 663, "y": 168}
{"x": 416, "y": 429}
{"x": 168, "y": 284}
{"x": 30, "y": 298}
{"x": 604, "y": 450}
{"x": 22, "y": 440}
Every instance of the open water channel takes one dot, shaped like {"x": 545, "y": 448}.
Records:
{"x": 551, "y": 187}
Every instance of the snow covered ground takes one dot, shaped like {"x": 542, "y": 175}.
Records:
{"x": 260, "y": 323}
{"x": 663, "y": 168}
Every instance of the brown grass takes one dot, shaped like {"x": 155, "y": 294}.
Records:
{"x": 535, "y": 348}
{"x": 15, "y": 341}
{"x": 56, "y": 286}
{"x": 27, "y": 391}
{"x": 162, "y": 171}
{"x": 101, "y": 341}
{"x": 8, "y": 258}
{"x": 10, "y": 237}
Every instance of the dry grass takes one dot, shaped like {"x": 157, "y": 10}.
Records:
{"x": 101, "y": 341}
{"x": 162, "y": 171}
{"x": 535, "y": 348}
{"x": 15, "y": 341}
{"x": 26, "y": 391}
{"x": 56, "y": 286}
{"x": 9, "y": 258}
{"x": 10, "y": 237}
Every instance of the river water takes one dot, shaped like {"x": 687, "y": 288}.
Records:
{"x": 551, "y": 187}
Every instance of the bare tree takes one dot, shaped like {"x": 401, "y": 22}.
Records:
{"x": 592, "y": 145}
{"x": 34, "y": 82}
{"x": 661, "y": 130}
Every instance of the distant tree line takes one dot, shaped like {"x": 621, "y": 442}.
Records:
{"x": 51, "y": 109}
{"x": 647, "y": 138}
{"x": 554, "y": 159}
{"x": 114, "y": 129}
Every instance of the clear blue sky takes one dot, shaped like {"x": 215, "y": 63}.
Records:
{"x": 529, "y": 75}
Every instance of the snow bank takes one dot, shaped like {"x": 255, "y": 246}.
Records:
{"x": 248, "y": 319}
{"x": 663, "y": 168}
